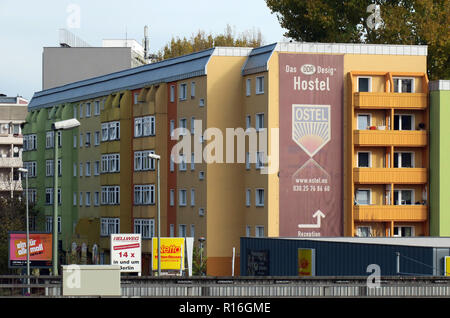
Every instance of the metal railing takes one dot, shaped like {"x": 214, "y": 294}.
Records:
{"x": 132, "y": 286}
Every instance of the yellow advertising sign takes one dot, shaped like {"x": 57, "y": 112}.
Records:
{"x": 172, "y": 253}
{"x": 447, "y": 266}
{"x": 306, "y": 262}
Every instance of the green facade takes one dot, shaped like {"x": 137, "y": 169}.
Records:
{"x": 439, "y": 158}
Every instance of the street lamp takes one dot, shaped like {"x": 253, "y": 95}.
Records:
{"x": 158, "y": 158}
{"x": 57, "y": 126}
{"x": 25, "y": 171}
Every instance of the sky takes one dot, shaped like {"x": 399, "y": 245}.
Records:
{"x": 26, "y": 26}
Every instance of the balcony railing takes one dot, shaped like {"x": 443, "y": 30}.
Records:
{"x": 390, "y": 175}
{"x": 404, "y": 138}
{"x": 390, "y": 100}
{"x": 9, "y": 162}
{"x": 399, "y": 213}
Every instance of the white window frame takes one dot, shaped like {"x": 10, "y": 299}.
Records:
{"x": 192, "y": 197}
{"x": 258, "y": 200}
{"x": 369, "y": 159}
{"x": 399, "y": 158}
{"x": 49, "y": 168}
{"x": 182, "y": 94}
{"x": 369, "y": 84}
{"x": 400, "y": 228}
{"x": 363, "y": 114}
{"x": 145, "y": 227}
{"x": 359, "y": 228}
{"x": 172, "y": 93}
{"x": 400, "y": 84}
{"x": 364, "y": 189}
{"x": 259, "y": 87}
{"x": 88, "y": 110}
{"x": 96, "y": 108}
{"x": 248, "y": 87}
{"x": 182, "y": 197}
{"x": 258, "y": 230}
{"x": 49, "y": 139}
{"x": 258, "y": 123}
{"x": 400, "y": 196}
{"x": 96, "y": 138}
{"x": 172, "y": 197}
{"x": 109, "y": 226}
{"x": 192, "y": 90}
{"x": 248, "y": 197}
{"x": 182, "y": 230}
{"x": 400, "y": 121}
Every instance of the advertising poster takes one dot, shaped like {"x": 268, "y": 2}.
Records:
{"x": 126, "y": 250}
{"x": 172, "y": 253}
{"x": 258, "y": 263}
{"x": 311, "y": 145}
{"x": 306, "y": 262}
{"x": 40, "y": 249}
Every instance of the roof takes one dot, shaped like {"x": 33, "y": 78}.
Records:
{"x": 443, "y": 242}
{"x": 258, "y": 59}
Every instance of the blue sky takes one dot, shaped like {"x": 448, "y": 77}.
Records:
{"x": 29, "y": 25}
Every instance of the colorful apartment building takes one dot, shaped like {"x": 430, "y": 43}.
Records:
{"x": 320, "y": 167}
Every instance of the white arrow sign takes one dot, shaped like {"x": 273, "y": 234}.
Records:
{"x": 318, "y": 214}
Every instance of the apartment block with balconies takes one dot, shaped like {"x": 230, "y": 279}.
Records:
{"x": 390, "y": 165}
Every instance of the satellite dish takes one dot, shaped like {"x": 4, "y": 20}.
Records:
{"x": 16, "y": 149}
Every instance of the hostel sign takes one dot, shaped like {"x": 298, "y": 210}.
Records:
{"x": 311, "y": 144}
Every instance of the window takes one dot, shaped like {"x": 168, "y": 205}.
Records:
{"x": 172, "y": 230}
{"x": 49, "y": 139}
{"x": 49, "y": 168}
{"x": 363, "y": 231}
{"x": 142, "y": 162}
{"x": 75, "y": 141}
{"x": 148, "y": 124}
{"x": 183, "y": 162}
{"x": 59, "y": 167}
{"x": 182, "y": 94}
{"x": 248, "y": 194}
{"x": 403, "y": 122}
{"x": 81, "y": 169}
{"x": 96, "y": 168}
{"x": 362, "y": 197}
{"x": 81, "y": 140}
{"x": 111, "y": 163}
{"x": 49, "y": 224}
{"x": 114, "y": 130}
{"x": 182, "y": 230}
{"x": 364, "y": 84}
{"x": 88, "y": 110}
{"x": 74, "y": 199}
{"x": 88, "y": 168}
{"x": 96, "y": 108}
{"x": 192, "y": 161}
{"x": 403, "y": 231}
{"x": 172, "y": 197}
{"x": 31, "y": 167}
{"x": 135, "y": 97}
{"x": 96, "y": 198}
{"x": 109, "y": 226}
{"x": 247, "y": 160}
{"x": 49, "y": 196}
{"x": 145, "y": 227}
{"x": 201, "y": 175}
{"x": 172, "y": 127}
{"x": 137, "y": 127}
{"x": 259, "y": 198}
{"x": 59, "y": 135}
{"x": 403, "y": 197}
{"x": 192, "y": 124}
{"x": 81, "y": 199}
{"x": 364, "y": 160}
{"x": 80, "y": 108}
{"x": 144, "y": 194}
{"x": 88, "y": 139}
{"x": 248, "y": 87}
{"x": 259, "y": 121}
{"x": 260, "y": 85}
{"x": 32, "y": 195}
{"x": 192, "y": 230}
{"x": 110, "y": 195}
{"x": 403, "y": 160}
{"x": 97, "y": 138}
{"x": 192, "y": 197}
{"x": 88, "y": 199}
{"x": 403, "y": 85}
{"x": 201, "y": 102}
{"x": 248, "y": 230}
{"x": 172, "y": 93}
{"x": 192, "y": 89}
{"x": 201, "y": 212}
{"x": 260, "y": 159}
{"x": 182, "y": 197}
{"x": 183, "y": 125}
{"x": 172, "y": 164}
{"x": 248, "y": 122}
{"x": 105, "y": 131}
{"x": 259, "y": 231}
{"x": 364, "y": 121}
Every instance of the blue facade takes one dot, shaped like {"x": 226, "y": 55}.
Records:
{"x": 279, "y": 257}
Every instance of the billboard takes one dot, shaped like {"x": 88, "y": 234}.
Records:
{"x": 306, "y": 259}
{"x": 126, "y": 251}
{"x": 41, "y": 249}
{"x": 172, "y": 253}
{"x": 258, "y": 263}
{"x": 311, "y": 144}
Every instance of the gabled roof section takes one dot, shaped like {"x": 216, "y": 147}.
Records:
{"x": 178, "y": 68}
{"x": 258, "y": 59}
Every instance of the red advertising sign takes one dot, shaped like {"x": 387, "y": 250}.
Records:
{"x": 311, "y": 145}
{"x": 40, "y": 249}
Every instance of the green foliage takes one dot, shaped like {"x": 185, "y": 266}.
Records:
{"x": 408, "y": 22}
{"x": 202, "y": 41}
{"x": 12, "y": 218}
{"x": 198, "y": 262}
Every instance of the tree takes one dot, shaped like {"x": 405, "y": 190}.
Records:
{"x": 12, "y": 218}
{"x": 421, "y": 22}
{"x": 199, "y": 262}
{"x": 202, "y": 41}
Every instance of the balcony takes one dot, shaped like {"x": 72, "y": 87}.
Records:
{"x": 390, "y": 175}
{"x": 8, "y": 162}
{"x": 397, "y": 213}
{"x": 403, "y": 138}
{"x": 14, "y": 185}
{"x": 390, "y": 100}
